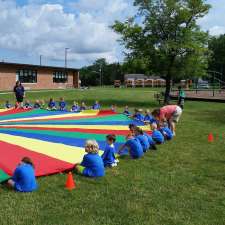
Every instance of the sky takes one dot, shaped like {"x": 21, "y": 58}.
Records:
{"x": 30, "y": 28}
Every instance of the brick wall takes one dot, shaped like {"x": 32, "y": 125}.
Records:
{"x": 44, "y": 79}
{"x": 7, "y": 78}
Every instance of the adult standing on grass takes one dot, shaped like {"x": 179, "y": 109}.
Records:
{"x": 168, "y": 113}
{"x": 19, "y": 93}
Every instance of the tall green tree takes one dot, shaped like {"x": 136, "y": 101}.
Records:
{"x": 168, "y": 36}
{"x": 217, "y": 61}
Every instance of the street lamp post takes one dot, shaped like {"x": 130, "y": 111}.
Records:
{"x": 100, "y": 72}
{"x": 100, "y": 75}
{"x": 66, "y": 49}
{"x": 40, "y": 59}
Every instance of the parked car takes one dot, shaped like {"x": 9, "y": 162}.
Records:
{"x": 203, "y": 86}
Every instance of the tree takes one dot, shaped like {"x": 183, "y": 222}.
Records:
{"x": 100, "y": 69}
{"x": 167, "y": 36}
{"x": 217, "y": 62}
{"x": 135, "y": 65}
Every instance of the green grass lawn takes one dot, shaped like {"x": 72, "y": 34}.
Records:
{"x": 183, "y": 183}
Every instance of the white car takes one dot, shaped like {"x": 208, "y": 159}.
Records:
{"x": 203, "y": 86}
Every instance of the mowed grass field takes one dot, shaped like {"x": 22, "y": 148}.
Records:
{"x": 182, "y": 183}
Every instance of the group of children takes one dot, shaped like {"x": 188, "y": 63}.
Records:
{"x": 138, "y": 142}
{"x": 53, "y": 105}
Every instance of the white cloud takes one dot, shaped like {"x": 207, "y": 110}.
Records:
{"x": 217, "y": 30}
{"x": 47, "y": 29}
{"x": 214, "y": 21}
{"x": 105, "y": 10}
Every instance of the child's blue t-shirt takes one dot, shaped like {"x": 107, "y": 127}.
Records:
{"x": 62, "y": 105}
{"x": 75, "y": 108}
{"x": 96, "y": 106}
{"x": 24, "y": 178}
{"x": 94, "y": 166}
{"x": 157, "y": 136}
{"x": 144, "y": 142}
{"x": 150, "y": 119}
{"x": 108, "y": 156}
{"x": 83, "y": 108}
{"x": 51, "y": 104}
{"x": 150, "y": 140}
{"x": 136, "y": 150}
{"x": 139, "y": 116}
{"x": 168, "y": 132}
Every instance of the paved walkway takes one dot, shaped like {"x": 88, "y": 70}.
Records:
{"x": 204, "y": 95}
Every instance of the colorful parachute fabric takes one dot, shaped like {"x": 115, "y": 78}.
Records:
{"x": 55, "y": 139}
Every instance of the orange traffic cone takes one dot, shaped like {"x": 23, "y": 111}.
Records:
{"x": 210, "y": 137}
{"x": 70, "y": 184}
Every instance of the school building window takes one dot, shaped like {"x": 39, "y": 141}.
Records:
{"x": 60, "y": 77}
{"x": 26, "y": 75}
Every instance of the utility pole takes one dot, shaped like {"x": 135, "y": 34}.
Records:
{"x": 100, "y": 72}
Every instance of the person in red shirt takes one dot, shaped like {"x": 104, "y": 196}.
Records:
{"x": 168, "y": 113}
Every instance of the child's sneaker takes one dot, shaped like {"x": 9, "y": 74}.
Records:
{"x": 117, "y": 161}
{"x": 114, "y": 164}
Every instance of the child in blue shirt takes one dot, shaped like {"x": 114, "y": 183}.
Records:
{"x": 151, "y": 142}
{"x": 83, "y": 106}
{"x": 8, "y": 105}
{"x": 75, "y": 107}
{"x": 126, "y": 111}
{"x": 134, "y": 147}
{"x": 92, "y": 164}
{"x": 133, "y": 127}
{"x": 27, "y": 105}
{"x": 62, "y": 104}
{"x": 148, "y": 117}
{"x": 156, "y": 134}
{"x": 23, "y": 179}
{"x": 37, "y": 104}
{"x": 108, "y": 156}
{"x": 166, "y": 132}
{"x": 113, "y": 108}
{"x": 139, "y": 134}
{"x": 138, "y": 115}
{"x": 96, "y": 106}
{"x": 51, "y": 104}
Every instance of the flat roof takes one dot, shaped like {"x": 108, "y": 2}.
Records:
{"x": 36, "y": 66}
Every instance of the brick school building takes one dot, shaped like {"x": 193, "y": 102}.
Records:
{"x": 37, "y": 77}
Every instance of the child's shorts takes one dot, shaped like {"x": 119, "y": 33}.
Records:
{"x": 177, "y": 114}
